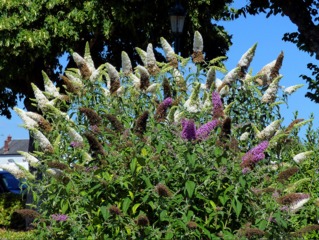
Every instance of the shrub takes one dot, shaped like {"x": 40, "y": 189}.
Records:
{"x": 166, "y": 152}
{"x": 9, "y": 202}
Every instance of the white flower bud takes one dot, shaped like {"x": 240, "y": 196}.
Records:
{"x": 198, "y": 44}
{"x": 142, "y": 55}
{"x": 49, "y": 86}
{"x": 150, "y": 56}
{"x": 56, "y": 173}
{"x": 178, "y": 77}
{"x": 136, "y": 81}
{"x": 244, "y": 136}
{"x": 40, "y": 97}
{"x": 168, "y": 50}
{"x": 75, "y": 136}
{"x": 302, "y": 156}
{"x": 298, "y": 205}
{"x": 152, "y": 88}
{"x": 126, "y": 63}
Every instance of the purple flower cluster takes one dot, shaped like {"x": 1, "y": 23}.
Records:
{"x": 189, "y": 129}
{"x": 59, "y": 217}
{"x": 256, "y": 154}
{"x": 76, "y": 144}
{"x": 167, "y": 102}
{"x": 161, "y": 109}
{"x": 218, "y": 108}
{"x": 253, "y": 156}
{"x": 203, "y": 132}
{"x": 245, "y": 170}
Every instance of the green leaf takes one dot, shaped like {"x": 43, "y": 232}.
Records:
{"x": 151, "y": 204}
{"x": 159, "y": 148}
{"x": 147, "y": 181}
{"x": 218, "y": 152}
{"x": 135, "y": 207}
{"x": 169, "y": 235}
{"x": 237, "y": 206}
{"x": 223, "y": 199}
{"x": 190, "y": 187}
{"x": 191, "y": 159}
{"x": 128, "y": 230}
{"x": 144, "y": 152}
{"x": 262, "y": 224}
{"x": 68, "y": 187}
{"x": 133, "y": 165}
{"x": 212, "y": 204}
{"x": 163, "y": 215}
{"x": 131, "y": 195}
{"x": 104, "y": 212}
{"x": 279, "y": 219}
{"x": 65, "y": 207}
{"x": 126, "y": 204}
{"x": 242, "y": 181}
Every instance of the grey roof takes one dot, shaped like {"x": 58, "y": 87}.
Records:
{"x": 16, "y": 145}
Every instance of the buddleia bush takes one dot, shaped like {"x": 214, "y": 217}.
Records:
{"x": 166, "y": 150}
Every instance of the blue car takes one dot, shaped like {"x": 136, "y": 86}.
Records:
{"x": 8, "y": 183}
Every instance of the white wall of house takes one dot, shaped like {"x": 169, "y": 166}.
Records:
{"x": 14, "y": 159}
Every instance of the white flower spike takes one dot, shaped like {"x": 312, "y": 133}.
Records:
{"x": 28, "y": 122}
{"x": 168, "y": 50}
{"x": 271, "y": 92}
{"x": 17, "y": 170}
{"x": 44, "y": 143}
{"x": 292, "y": 89}
{"x": 33, "y": 161}
{"x": 247, "y": 57}
{"x": 269, "y": 131}
{"x": 49, "y": 86}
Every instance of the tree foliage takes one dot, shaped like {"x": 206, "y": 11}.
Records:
{"x": 34, "y": 34}
{"x": 304, "y": 14}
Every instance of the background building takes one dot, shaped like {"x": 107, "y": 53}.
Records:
{"x": 9, "y": 152}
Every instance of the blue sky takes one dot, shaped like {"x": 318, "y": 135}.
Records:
{"x": 267, "y": 33}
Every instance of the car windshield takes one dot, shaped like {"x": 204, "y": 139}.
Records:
{"x": 10, "y": 181}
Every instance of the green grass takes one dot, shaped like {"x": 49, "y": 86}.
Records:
{"x": 6, "y": 234}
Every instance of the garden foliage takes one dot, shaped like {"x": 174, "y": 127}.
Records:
{"x": 9, "y": 202}
{"x": 169, "y": 151}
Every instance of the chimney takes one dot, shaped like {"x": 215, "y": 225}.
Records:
{"x": 6, "y": 144}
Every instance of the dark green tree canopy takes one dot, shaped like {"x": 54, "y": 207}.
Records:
{"x": 304, "y": 14}
{"x": 34, "y": 34}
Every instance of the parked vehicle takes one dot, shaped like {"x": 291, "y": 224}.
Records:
{"x": 8, "y": 183}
